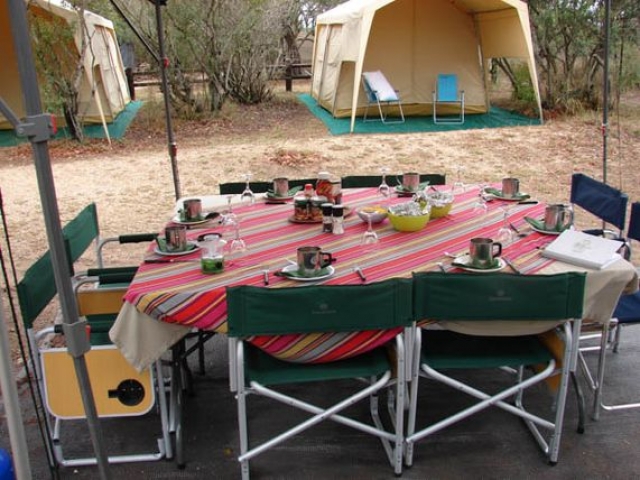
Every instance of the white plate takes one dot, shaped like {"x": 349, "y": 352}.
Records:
{"x": 177, "y": 220}
{"x": 293, "y": 268}
{"x": 463, "y": 260}
{"x": 195, "y": 246}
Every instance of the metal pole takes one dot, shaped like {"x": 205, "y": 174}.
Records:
{"x": 31, "y": 96}
{"x": 164, "y": 65}
{"x": 17, "y": 436}
{"x": 605, "y": 87}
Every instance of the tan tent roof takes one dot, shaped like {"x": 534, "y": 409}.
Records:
{"x": 103, "y": 91}
{"x": 412, "y": 41}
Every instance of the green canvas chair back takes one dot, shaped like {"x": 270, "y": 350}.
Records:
{"x": 37, "y": 288}
{"x": 320, "y": 308}
{"x": 450, "y": 296}
{"x": 82, "y": 231}
{"x": 236, "y": 188}
{"x": 361, "y": 181}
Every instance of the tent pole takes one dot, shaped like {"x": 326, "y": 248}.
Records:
{"x": 17, "y": 436}
{"x": 605, "y": 87}
{"x": 164, "y": 65}
{"x": 38, "y": 128}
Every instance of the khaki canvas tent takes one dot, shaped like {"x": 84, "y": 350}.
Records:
{"x": 103, "y": 91}
{"x": 411, "y": 42}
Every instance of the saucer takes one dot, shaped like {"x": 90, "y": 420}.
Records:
{"x": 518, "y": 197}
{"x": 177, "y": 220}
{"x": 464, "y": 262}
{"x": 403, "y": 192}
{"x": 291, "y": 272}
{"x": 191, "y": 247}
{"x": 538, "y": 226}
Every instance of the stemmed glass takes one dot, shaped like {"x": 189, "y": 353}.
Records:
{"x": 238, "y": 246}
{"x": 459, "y": 187}
{"x": 505, "y": 233}
{"x": 247, "y": 194}
{"x": 384, "y": 189}
{"x": 229, "y": 221}
{"x": 480, "y": 205}
{"x": 369, "y": 238}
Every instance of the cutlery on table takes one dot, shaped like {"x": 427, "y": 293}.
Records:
{"x": 513, "y": 267}
{"x": 171, "y": 260}
{"x": 441, "y": 266}
{"x": 518, "y": 232}
{"x": 360, "y": 273}
{"x": 265, "y": 276}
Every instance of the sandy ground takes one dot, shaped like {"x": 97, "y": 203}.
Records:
{"x": 131, "y": 181}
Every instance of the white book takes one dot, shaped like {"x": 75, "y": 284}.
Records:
{"x": 584, "y": 250}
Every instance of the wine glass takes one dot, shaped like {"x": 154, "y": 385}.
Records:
{"x": 505, "y": 233}
{"x": 369, "y": 238}
{"x": 459, "y": 187}
{"x": 480, "y": 205}
{"x": 238, "y": 245}
{"x": 384, "y": 189}
{"x": 247, "y": 194}
{"x": 229, "y": 221}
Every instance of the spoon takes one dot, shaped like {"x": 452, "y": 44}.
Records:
{"x": 518, "y": 232}
{"x": 441, "y": 266}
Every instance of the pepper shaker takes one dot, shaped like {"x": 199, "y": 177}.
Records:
{"x": 327, "y": 217}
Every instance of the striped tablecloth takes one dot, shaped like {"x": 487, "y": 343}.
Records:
{"x": 178, "y": 293}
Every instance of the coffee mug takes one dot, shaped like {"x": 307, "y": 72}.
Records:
{"x": 281, "y": 186}
{"x": 192, "y": 209}
{"x": 558, "y": 217}
{"x": 311, "y": 260}
{"x": 411, "y": 181}
{"x": 510, "y": 187}
{"x": 483, "y": 252}
{"x": 176, "y": 238}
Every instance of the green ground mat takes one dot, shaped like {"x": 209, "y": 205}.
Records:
{"x": 116, "y": 129}
{"x": 496, "y": 118}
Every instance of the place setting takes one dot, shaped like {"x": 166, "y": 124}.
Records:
{"x": 280, "y": 192}
{"x": 483, "y": 257}
{"x": 312, "y": 265}
{"x": 558, "y": 217}
{"x": 409, "y": 184}
{"x": 173, "y": 246}
{"x": 191, "y": 214}
{"x": 510, "y": 192}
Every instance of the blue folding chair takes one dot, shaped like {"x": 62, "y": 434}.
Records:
{"x": 447, "y": 93}
{"x": 380, "y": 92}
{"x": 601, "y": 200}
{"x": 627, "y": 312}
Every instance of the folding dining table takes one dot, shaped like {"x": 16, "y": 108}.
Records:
{"x": 166, "y": 301}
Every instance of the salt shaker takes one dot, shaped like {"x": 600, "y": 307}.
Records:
{"x": 338, "y": 219}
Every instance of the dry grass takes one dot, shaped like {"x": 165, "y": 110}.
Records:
{"x": 132, "y": 185}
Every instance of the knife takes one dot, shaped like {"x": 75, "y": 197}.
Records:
{"x": 513, "y": 267}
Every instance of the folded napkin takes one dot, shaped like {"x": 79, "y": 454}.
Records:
{"x": 539, "y": 224}
{"x": 290, "y": 193}
{"x": 296, "y": 274}
{"x": 465, "y": 262}
{"x": 162, "y": 246}
{"x": 498, "y": 193}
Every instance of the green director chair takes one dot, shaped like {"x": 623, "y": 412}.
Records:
{"x": 320, "y": 309}
{"x": 502, "y": 316}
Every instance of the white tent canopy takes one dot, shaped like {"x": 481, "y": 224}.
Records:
{"x": 103, "y": 90}
{"x": 411, "y": 41}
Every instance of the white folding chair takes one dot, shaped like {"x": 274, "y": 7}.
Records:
{"x": 379, "y": 92}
